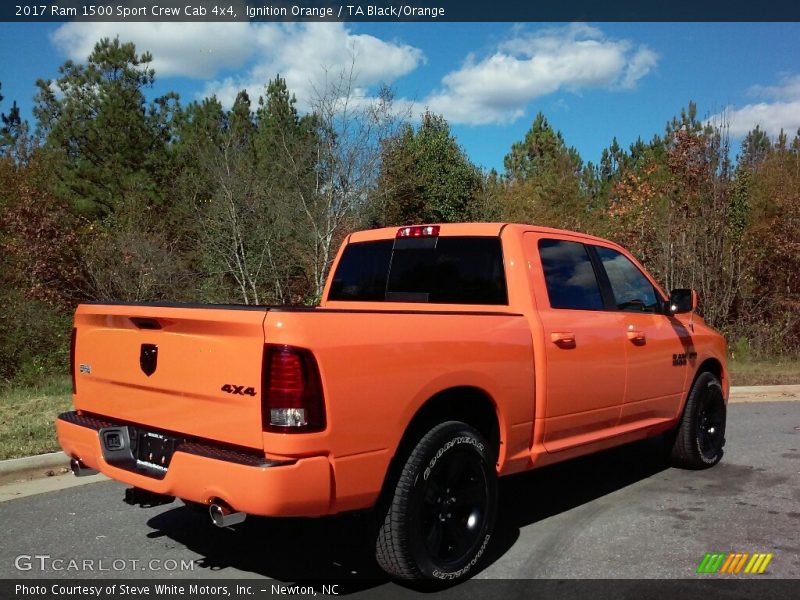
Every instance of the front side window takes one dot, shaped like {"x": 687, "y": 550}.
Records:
{"x": 632, "y": 290}
{"x": 569, "y": 275}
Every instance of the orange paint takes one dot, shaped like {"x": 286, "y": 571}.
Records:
{"x": 562, "y": 382}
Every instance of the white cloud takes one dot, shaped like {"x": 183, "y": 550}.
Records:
{"x": 770, "y": 116}
{"x": 495, "y": 88}
{"x": 303, "y": 53}
{"x": 197, "y": 50}
{"x": 782, "y": 112}
{"x": 498, "y": 87}
{"x": 789, "y": 89}
{"x": 639, "y": 65}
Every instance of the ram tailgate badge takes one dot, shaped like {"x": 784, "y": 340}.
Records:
{"x": 148, "y": 358}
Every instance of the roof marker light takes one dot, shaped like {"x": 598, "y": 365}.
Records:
{"x": 418, "y": 231}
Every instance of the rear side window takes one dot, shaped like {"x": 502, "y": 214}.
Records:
{"x": 362, "y": 272}
{"x": 446, "y": 270}
{"x": 632, "y": 290}
{"x": 569, "y": 275}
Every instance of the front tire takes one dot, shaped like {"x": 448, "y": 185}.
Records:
{"x": 442, "y": 512}
{"x": 700, "y": 436}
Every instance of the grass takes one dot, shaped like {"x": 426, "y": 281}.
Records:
{"x": 27, "y": 414}
{"x": 763, "y": 372}
{"x": 27, "y": 417}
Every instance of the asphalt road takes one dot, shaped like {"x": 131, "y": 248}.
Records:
{"x": 619, "y": 514}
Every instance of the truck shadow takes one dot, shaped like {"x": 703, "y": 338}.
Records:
{"x": 340, "y": 548}
{"x": 534, "y": 496}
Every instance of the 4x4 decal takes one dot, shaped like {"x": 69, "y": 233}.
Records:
{"x": 240, "y": 390}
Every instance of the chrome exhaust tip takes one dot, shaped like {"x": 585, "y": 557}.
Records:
{"x": 79, "y": 469}
{"x": 223, "y": 515}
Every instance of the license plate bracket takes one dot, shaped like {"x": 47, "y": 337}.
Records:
{"x": 155, "y": 450}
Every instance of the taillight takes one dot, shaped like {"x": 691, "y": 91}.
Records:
{"x": 72, "y": 358}
{"x": 291, "y": 393}
{"x": 418, "y": 231}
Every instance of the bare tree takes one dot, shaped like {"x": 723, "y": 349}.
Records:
{"x": 349, "y": 131}
{"x": 284, "y": 197}
{"x": 237, "y": 222}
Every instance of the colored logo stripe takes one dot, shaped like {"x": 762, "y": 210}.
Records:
{"x": 721, "y": 562}
{"x": 758, "y": 563}
{"x": 711, "y": 563}
{"x": 734, "y": 563}
{"x": 727, "y": 565}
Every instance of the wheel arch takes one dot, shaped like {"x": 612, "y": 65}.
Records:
{"x": 712, "y": 365}
{"x": 469, "y": 404}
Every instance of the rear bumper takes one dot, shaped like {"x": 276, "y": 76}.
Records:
{"x": 200, "y": 473}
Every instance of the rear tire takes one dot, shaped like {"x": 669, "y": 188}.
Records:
{"x": 700, "y": 436}
{"x": 442, "y": 512}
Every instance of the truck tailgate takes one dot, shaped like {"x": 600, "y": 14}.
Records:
{"x": 166, "y": 367}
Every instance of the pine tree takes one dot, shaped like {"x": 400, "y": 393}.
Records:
{"x": 95, "y": 119}
{"x": 755, "y": 147}
{"x": 426, "y": 177}
{"x": 545, "y": 179}
{"x": 12, "y": 128}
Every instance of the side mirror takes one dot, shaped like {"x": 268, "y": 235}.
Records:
{"x": 683, "y": 300}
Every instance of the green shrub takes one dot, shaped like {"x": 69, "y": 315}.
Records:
{"x": 740, "y": 349}
{"x": 34, "y": 345}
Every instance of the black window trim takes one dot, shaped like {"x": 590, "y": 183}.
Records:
{"x": 594, "y": 268}
{"x": 606, "y": 291}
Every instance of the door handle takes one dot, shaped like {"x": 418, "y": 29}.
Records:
{"x": 637, "y": 337}
{"x": 563, "y": 338}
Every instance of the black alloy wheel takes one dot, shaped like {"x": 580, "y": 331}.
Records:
{"x": 441, "y": 515}
{"x": 698, "y": 440}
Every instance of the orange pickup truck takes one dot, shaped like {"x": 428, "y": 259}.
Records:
{"x": 441, "y": 357}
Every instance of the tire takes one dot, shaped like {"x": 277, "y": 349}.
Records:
{"x": 700, "y": 436}
{"x": 441, "y": 515}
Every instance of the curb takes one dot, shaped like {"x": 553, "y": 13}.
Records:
{"x": 29, "y": 463}
{"x": 765, "y": 389}
{"x": 765, "y": 393}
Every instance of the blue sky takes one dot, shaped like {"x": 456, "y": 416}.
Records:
{"x": 592, "y": 81}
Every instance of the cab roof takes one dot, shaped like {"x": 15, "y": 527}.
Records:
{"x": 470, "y": 229}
